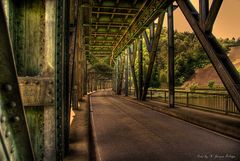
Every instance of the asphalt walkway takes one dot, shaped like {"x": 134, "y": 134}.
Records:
{"x": 127, "y": 131}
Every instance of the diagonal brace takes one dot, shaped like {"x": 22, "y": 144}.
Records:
{"x": 212, "y": 15}
{"x": 153, "y": 55}
{"x": 222, "y": 64}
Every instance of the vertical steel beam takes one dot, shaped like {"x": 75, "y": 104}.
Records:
{"x": 116, "y": 76}
{"x": 126, "y": 75}
{"x": 171, "y": 55}
{"x": 59, "y": 77}
{"x": 14, "y": 134}
{"x": 214, "y": 9}
{"x": 91, "y": 82}
{"x": 132, "y": 56}
{"x": 85, "y": 75}
{"x": 146, "y": 39}
{"x": 140, "y": 67}
{"x": 203, "y": 12}
{"x": 67, "y": 106}
{"x": 152, "y": 32}
{"x": 221, "y": 62}
{"x": 120, "y": 74}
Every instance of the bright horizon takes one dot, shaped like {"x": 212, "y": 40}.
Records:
{"x": 227, "y": 24}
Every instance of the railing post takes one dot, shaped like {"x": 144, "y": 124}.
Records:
{"x": 187, "y": 99}
{"x": 165, "y": 96}
{"x": 126, "y": 75}
{"x": 226, "y": 105}
{"x": 151, "y": 94}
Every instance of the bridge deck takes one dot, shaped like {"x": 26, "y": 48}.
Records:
{"x": 125, "y": 131}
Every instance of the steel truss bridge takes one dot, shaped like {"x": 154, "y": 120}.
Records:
{"x": 48, "y": 49}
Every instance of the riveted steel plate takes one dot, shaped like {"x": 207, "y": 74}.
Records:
{"x": 37, "y": 91}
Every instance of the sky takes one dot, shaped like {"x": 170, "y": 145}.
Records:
{"x": 227, "y": 24}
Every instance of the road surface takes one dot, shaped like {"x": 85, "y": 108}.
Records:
{"x": 125, "y": 131}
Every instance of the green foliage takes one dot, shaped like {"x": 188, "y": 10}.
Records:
{"x": 193, "y": 87}
{"x": 189, "y": 56}
{"x": 163, "y": 77}
{"x": 155, "y": 82}
{"x": 227, "y": 43}
{"x": 211, "y": 84}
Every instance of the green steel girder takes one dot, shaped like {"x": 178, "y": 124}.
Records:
{"x": 108, "y": 21}
{"x": 15, "y": 141}
{"x": 60, "y": 76}
{"x": 145, "y": 16}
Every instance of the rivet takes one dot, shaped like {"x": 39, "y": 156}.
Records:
{"x": 7, "y": 87}
{"x": 49, "y": 92}
{"x": 3, "y": 119}
{"x": 26, "y": 82}
{"x": 13, "y": 104}
{"x": 16, "y": 118}
{"x": 51, "y": 82}
{"x": 7, "y": 134}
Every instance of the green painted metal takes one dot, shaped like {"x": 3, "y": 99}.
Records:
{"x": 60, "y": 80}
{"x": 110, "y": 26}
{"x": 126, "y": 74}
{"x": 28, "y": 34}
{"x": 140, "y": 67}
{"x": 148, "y": 13}
{"x": 171, "y": 84}
{"x": 35, "y": 121}
{"x": 27, "y": 26}
{"x": 153, "y": 53}
{"x": 15, "y": 140}
{"x": 67, "y": 105}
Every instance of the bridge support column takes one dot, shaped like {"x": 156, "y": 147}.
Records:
{"x": 126, "y": 75}
{"x": 171, "y": 56}
{"x": 120, "y": 74}
{"x": 132, "y": 50}
{"x": 116, "y": 76}
{"x": 140, "y": 67}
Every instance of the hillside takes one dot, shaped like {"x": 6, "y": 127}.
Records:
{"x": 204, "y": 75}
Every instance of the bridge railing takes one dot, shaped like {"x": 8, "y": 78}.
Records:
{"x": 206, "y": 100}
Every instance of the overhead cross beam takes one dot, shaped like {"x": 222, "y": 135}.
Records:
{"x": 221, "y": 62}
{"x": 116, "y": 8}
{"x": 148, "y": 13}
{"x": 105, "y": 25}
{"x": 105, "y": 34}
{"x": 113, "y": 13}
